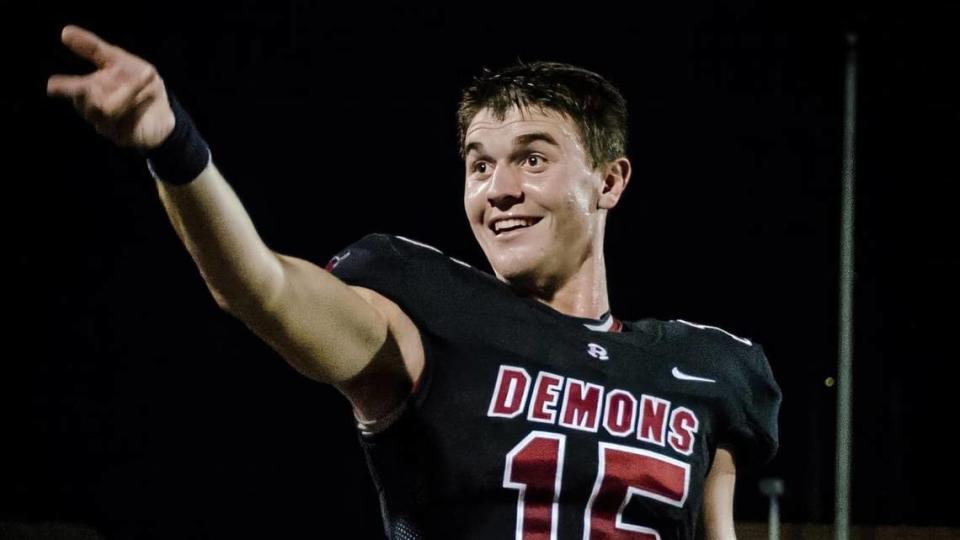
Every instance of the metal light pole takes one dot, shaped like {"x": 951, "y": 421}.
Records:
{"x": 844, "y": 382}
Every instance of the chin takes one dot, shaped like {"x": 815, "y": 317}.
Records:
{"x": 516, "y": 270}
{"x": 517, "y": 262}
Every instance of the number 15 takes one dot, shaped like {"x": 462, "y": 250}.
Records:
{"x": 535, "y": 467}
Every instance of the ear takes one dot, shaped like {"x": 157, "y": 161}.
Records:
{"x": 616, "y": 176}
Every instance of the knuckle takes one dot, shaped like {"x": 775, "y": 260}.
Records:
{"x": 114, "y": 106}
{"x": 144, "y": 76}
{"x": 153, "y": 88}
{"x": 110, "y": 111}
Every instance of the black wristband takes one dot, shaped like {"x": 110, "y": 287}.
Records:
{"x": 183, "y": 155}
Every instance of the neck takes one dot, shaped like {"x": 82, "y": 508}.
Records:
{"x": 582, "y": 293}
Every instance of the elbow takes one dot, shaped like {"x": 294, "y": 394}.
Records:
{"x": 221, "y": 301}
{"x": 234, "y": 304}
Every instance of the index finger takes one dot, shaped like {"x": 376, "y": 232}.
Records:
{"x": 87, "y": 44}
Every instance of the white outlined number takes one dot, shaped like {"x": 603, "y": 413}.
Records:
{"x": 534, "y": 468}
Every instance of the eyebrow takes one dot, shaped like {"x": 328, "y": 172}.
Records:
{"x": 520, "y": 140}
{"x": 530, "y": 138}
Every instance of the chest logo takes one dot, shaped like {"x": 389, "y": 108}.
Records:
{"x": 597, "y": 351}
{"x": 684, "y": 377}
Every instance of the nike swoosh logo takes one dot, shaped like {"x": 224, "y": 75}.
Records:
{"x": 684, "y": 377}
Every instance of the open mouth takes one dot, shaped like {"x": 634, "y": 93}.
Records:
{"x": 503, "y": 226}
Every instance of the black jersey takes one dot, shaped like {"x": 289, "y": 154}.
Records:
{"x": 531, "y": 424}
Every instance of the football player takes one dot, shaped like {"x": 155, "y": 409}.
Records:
{"x": 512, "y": 405}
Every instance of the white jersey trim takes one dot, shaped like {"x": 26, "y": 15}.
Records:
{"x": 428, "y": 246}
{"x": 745, "y": 341}
{"x": 421, "y": 244}
{"x": 602, "y": 327}
{"x": 369, "y": 428}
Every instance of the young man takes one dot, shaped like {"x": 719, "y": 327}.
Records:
{"x": 489, "y": 407}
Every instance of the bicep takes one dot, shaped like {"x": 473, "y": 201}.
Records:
{"x": 718, "y": 493}
{"x": 390, "y": 376}
{"x": 320, "y": 325}
{"x": 351, "y": 337}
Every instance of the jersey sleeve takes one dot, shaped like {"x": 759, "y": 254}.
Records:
{"x": 426, "y": 284}
{"x": 397, "y": 270}
{"x": 372, "y": 262}
{"x": 752, "y": 430}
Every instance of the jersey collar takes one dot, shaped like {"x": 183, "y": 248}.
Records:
{"x": 606, "y": 323}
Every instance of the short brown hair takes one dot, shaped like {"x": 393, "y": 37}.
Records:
{"x": 590, "y": 101}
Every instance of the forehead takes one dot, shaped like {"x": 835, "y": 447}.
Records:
{"x": 517, "y": 121}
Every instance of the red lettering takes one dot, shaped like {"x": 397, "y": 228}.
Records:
{"x": 510, "y": 393}
{"x": 545, "y": 396}
{"x": 683, "y": 424}
{"x": 653, "y": 419}
{"x": 581, "y": 405}
{"x": 620, "y": 413}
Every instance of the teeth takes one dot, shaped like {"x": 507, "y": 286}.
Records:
{"x": 512, "y": 223}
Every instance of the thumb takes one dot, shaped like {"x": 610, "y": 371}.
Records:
{"x": 87, "y": 45}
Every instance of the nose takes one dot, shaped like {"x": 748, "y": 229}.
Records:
{"x": 505, "y": 188}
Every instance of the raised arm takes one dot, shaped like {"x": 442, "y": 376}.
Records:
{"x": 350, "y": 337}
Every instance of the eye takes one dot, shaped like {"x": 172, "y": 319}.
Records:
{"x": 479, "y": 167}
{"x": 534, "y": 160}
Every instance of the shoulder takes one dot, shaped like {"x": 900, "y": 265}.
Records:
{"x": 740, "y": 360}
{"x": 751, "y": 396}
{"x": 747, "y": 395}
{"x": 707, "y": 332}
{"x": 418, "y": 277}
{"x": 381, "y": 248}
{"x": 680, "y": 335}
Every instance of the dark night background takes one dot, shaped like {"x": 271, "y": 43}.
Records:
{"x": 132, "y": 404}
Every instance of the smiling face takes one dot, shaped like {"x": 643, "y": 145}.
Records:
{"x": 534, "y": 201}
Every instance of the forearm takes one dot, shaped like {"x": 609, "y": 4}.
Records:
{"x": 237, "y": 266}
{"x": 318, "y": 323}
